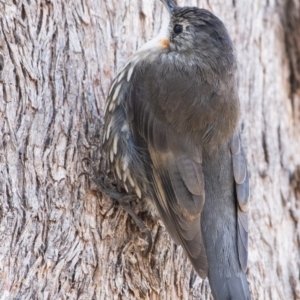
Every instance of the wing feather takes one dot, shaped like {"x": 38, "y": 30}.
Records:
{"x": 242, "y": 192}
{"x": 174, "y": 200}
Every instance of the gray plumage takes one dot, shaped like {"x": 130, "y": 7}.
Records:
{"x": 171, "y": 136}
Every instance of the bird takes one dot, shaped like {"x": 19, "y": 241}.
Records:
{"x": 172, "y": 138}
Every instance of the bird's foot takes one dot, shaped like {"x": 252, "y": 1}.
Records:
{"x": 106, "y": 186}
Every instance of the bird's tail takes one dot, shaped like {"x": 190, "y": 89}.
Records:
{"x": 234, "y": 287}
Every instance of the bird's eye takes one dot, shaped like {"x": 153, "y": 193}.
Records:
{"x": 178, "y": 28}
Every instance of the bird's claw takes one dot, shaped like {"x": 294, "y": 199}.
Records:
{"x": 106, "y": 187}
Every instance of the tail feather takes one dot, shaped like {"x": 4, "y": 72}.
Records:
{"x": 229, "y": 288}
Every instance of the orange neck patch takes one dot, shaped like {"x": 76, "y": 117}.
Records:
{"x": 164, "y": 43}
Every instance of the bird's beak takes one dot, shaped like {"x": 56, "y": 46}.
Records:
{"x": 170, "y": 5}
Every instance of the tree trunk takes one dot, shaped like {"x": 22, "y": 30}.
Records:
{"x": 59, "y": 237}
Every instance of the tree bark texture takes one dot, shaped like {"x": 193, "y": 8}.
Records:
{"x": 59, "y": 237}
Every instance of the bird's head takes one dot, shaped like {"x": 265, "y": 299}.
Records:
{"x": 193, "y": 35}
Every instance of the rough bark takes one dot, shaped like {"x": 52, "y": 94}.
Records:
{"x": 59, "y": 237}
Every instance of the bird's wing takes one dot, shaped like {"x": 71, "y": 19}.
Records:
{"x": 179, "y": 188}
{"x": 174, "y": 168}
{"x": 241, "y": 178}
